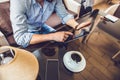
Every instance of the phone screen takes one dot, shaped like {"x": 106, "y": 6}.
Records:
{"x": 52, "y": 69}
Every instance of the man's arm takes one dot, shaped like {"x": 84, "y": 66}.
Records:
{"x": 66, "y": 17}
{"x": 19, "y": 23}
{"x": 57, "y": 36}
{"x": 74, "y": 24}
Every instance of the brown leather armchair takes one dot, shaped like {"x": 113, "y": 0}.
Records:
{"x": 6, "y": 32}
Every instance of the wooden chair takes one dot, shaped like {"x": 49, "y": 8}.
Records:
{"x": 115, "y": 11}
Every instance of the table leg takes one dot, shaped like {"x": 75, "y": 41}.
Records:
{"x": 116, "y": 55}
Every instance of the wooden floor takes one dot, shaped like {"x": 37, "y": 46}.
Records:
{"x": 98, "y": 52}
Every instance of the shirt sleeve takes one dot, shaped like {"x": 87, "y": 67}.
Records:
{"x": 19, "y": 24}
{"x": 62, "y": 12}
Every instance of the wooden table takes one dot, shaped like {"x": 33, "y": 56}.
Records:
{"x": 60, "y": 50}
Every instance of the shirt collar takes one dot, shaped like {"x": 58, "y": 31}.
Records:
{"x": 34, "y": 1}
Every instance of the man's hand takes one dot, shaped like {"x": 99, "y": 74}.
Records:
{"x": 84, "y": 25}
{"x": 61, "y": 36}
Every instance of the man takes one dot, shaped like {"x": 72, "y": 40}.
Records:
{"x": 28, "y": 21}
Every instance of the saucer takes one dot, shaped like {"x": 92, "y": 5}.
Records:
{"x": 73, "y": 65}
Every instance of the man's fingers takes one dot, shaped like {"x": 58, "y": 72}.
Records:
{"x": 84, "y": 24}
{"x": 68, "y": 33}
{"x": 66, "y": 36}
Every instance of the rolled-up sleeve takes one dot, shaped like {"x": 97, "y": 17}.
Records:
{"x": 62, "y": 12}
{"x": 19, "y": 24}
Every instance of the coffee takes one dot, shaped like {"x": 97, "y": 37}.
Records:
{"x": 76, "y": 57}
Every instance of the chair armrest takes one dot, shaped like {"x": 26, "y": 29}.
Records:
{"x": 3, "y": 40}
{"x": 2, "y": 1}
{"x": 112, "y": 9}
{"x": 72, "y": 6}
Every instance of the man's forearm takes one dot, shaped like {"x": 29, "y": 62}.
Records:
{"x": 77, "y": 25}
{"x": 38, "y": 38}
{"x": 57, "y": 36}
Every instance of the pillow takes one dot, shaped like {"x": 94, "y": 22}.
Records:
{"x": 5, "y": 24}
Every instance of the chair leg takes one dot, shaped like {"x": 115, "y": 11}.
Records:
{"x": 84, "y": 40}
{"x": 87, "y": 37}
{"x": 116, "y": 55}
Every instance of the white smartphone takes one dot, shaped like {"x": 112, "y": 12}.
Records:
{"x": 111, "y": 18}
{"x": 52, "y": 70}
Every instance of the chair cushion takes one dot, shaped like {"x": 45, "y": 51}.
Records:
{"x": 5, "y": 25}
